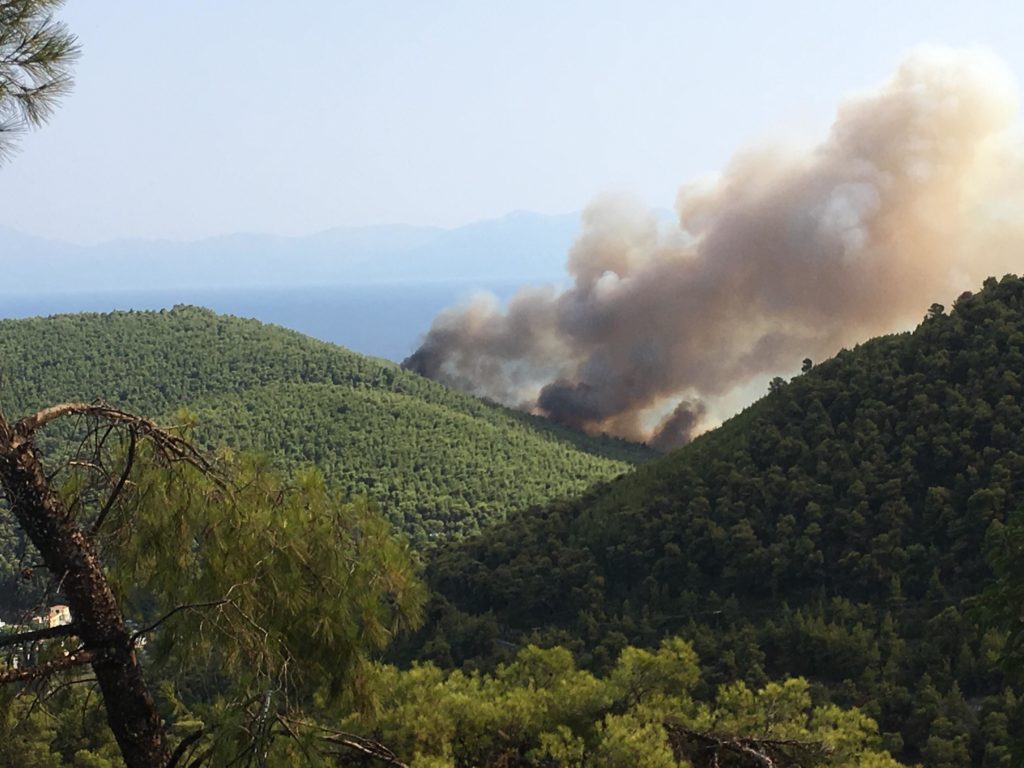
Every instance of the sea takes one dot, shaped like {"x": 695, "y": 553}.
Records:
{"x": 382, "y": 319}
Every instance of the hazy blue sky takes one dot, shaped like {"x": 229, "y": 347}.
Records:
{"x": 200, "y": 117}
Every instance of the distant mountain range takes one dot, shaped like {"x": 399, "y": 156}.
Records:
{"x": 518, "y": 246}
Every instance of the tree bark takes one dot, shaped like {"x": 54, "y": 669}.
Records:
{"x": 70, "y": 557}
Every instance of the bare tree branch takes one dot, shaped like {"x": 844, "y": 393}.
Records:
{"x": 709, "y": 750}
{"x": 173, "y": 447}
{"x": 177, "y": 609}
{"x": 183, "y": 746}
{"x": 129, "y": 462}
{"x": 47, "y": 667}
{"x": 363, "y": 746}
{"x": 47, "y": 633}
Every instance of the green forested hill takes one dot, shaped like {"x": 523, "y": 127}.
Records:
{"x": 837, "y": 529}
{"x": 436, "y": 470}
{"x": 440, "y": 463}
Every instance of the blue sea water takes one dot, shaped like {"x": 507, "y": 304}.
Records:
{"x": 385, "y": 320}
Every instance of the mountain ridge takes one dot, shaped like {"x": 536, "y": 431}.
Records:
{"x": 521, "y": 245}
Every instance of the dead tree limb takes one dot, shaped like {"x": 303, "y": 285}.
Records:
{"x": 34, "y": 635}
{"x": 709, "y": 750}
{"x": 171, "y": 446}
{"x": 177, "y": 609}
{"x": 46, "y": 668}
{"x": 126, "y": 471}
{"x": 365, "y": 748}
{"x": 183, "y": 747}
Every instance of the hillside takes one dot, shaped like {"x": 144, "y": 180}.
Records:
{"x": 836, "y": 529}
{"x": 439, "y": 463}
{"x": 370, "y": 427}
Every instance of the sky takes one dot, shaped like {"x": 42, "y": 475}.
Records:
{"x": 197, "y": 118}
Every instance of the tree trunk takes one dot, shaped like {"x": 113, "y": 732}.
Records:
{"x": 71, "y": 559}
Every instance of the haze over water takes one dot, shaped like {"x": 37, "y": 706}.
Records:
{"x": 384, "y": 320}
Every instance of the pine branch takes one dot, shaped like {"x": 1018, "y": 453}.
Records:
{"x": 36, "y": 54}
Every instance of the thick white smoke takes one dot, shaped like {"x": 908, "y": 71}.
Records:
{"x": 913, "y": 197}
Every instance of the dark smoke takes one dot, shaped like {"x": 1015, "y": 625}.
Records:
{"x": 678, "y": 428}
{"x": 913, "y": 196}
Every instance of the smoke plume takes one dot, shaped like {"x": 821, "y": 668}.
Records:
{"x": 913, "y": 196}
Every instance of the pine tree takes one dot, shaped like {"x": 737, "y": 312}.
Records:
{"x": 36, "y": 54}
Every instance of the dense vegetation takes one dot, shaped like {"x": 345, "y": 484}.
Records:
{"x": 439, "y": 463}
{"x": 844, "y": 530}
{"x": 838, "y": 529}
{"x": 539, "y": 710}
